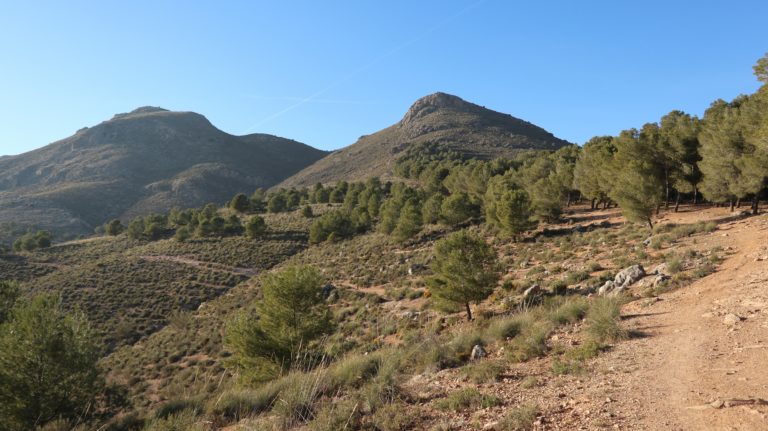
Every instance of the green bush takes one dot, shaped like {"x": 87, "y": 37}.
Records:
{"x": 465, "y": 399}
{"x": 393, "y": 417}
{"x": 570, "y": 311}
{"x": 520, "y": 418}
{"x": 604, "y": 320}
{"x": 530, "y": 343}
{"x": 33, "y": 241}
{"x": 484, "y": 371}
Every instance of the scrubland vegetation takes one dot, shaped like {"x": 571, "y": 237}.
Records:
{"x": 324, "y": 307}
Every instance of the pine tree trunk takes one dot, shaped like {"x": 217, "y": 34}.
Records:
{"x": 568, "y": 203}
{"x": 605, "y": 204}
{"x": 677, "y": 201}
{"x": 666, "y": 187}
{"x": 738, "y": 202}
{"x": 650, "y": 223}
{"x": 592, "y": 204}
{"x": 695, "y": 194}
{"x": 469, "y": 312}
{"x": 732, "y": 205}
{"x": 755, "y": 204}
{"x": 658, "y": 209}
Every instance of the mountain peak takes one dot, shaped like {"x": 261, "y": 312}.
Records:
{"x": 142, "y": 110}
{"x": 469, "y": 129}
{"x": 147, "y": 110}
{"x": 434, "y": 102}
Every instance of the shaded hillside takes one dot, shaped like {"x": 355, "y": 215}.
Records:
{"x": 144, "y": 161}
{"x": 462, "y": 126}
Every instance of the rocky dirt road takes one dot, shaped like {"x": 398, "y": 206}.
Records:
{"x": 700, "y": 361}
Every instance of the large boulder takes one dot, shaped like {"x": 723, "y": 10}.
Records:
{"x": 628, "y": 276}
{"x": 625, "y": 278}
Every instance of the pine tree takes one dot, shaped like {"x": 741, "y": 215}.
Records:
{"x": 291, "y": 316}
{"x": 255, "y": 227}
{"x": 9, "y": 293}
{"x": 508, "y": 207}
{"x": 114, "y": 227}
{"x": 638, "y": 185}
{"x": 466, "y": 270}
{"x": 240, "y": 203}
{"x": 592, "y": 175}
{"x": 409, "y": 221}
{"x": 458, "y": 208}
{"x": 48, "y": 364}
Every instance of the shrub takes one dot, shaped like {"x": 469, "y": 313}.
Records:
{"x": 509, "y": 327}
{"x": 333, "y": 225}
{"x": 185, "y": 420}
{"x": 237, "y": 404}
{"x": 570, "y": 311}
{"x": 255, "y": 227}
{"x": 603, "y": 320}
{"x": 178, "y": 405}
{"x": 393, "y": 417}
{"x": 484, "y": 371}
{"x": 469, "y": 398}
{"x": 531, "y": 343}
{"x": 334, "y": 416}
{"x": 182, "y": 234}
{"x": 519, "y": 419}
{"x": 33, "y": 241}
{"x": 352, "y": 370}
{"x": 114, "y": 227}
{"x": 674, "y": 263}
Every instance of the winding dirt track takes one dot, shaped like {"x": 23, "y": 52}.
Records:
{"x": 690, "y": 369}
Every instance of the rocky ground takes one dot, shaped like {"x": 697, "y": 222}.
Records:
{"x": 696, "y": 358}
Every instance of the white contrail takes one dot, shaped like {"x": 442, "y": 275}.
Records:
{"x": 365, "y": 66}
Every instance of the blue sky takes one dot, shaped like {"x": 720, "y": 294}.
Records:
{"x": 325, "y": 73}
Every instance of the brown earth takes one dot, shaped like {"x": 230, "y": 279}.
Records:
{"x": 684, "y": 368}
{"x": 694, "y": 369}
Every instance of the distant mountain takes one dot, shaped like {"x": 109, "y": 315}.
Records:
{"x": 147, "y": 160}
{"x": 472, "y": 130}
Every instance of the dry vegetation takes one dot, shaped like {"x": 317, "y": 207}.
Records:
{"x": 397, "y": 360}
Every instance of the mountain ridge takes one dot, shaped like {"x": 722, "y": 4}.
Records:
{"x": 146, "y": 160}
{"x": 473, "y": 130}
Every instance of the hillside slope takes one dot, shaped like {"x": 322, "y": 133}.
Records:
{"x": 148, "y": 160}
{"x": 470, "y": 129}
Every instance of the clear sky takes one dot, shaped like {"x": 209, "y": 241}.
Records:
{"x": 326, "y": 72}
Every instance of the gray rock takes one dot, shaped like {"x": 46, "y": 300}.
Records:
{"x": 604, "y": 289}
{"x": 410, "y": 314}
{"x": 647, "y": 241}
{"x": 413, "y": 269}
{"x": 327, "y": 289}
{"x": 532, "y": 291}
{"x": 627, "y": 276}
{"x": 731, "y": 319}
{"x": 661, "y": 269}
{"x": 477, "y": 352}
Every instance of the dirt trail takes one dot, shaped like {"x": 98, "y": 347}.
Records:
{"x": 695, "y": 366}
{"x": 216, "y": 267}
